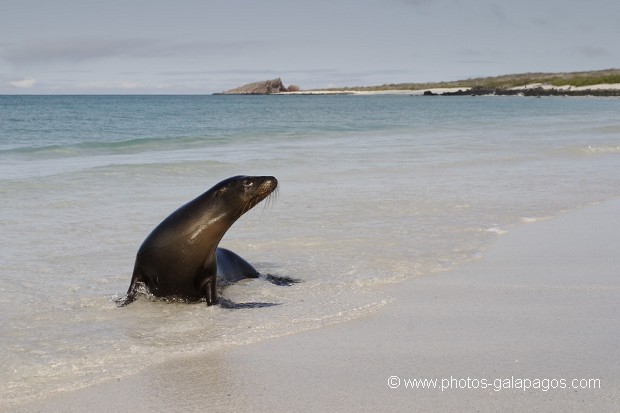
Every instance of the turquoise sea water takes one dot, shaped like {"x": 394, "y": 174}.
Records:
{"x": 374, "y": 190}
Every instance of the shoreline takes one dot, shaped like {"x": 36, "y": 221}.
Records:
{"x": 540, "y": 304}
{"x": 532, "y": 89}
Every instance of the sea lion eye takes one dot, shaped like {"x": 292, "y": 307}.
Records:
{"x": 246, "y": 183}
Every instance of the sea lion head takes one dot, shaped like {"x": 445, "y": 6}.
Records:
{"x": 241, "y": 193}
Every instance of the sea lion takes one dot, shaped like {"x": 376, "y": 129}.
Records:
{"x": 180, "y": 258}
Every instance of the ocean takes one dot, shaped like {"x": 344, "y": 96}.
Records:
{"x": 374, "y": 191}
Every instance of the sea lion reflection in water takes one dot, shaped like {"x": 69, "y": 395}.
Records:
{"x": 180, "y": 258}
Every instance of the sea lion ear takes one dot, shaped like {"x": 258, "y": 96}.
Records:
{"x": 219, "y": 192}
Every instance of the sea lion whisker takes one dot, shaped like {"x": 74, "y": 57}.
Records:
{"x": 272, "y": 198}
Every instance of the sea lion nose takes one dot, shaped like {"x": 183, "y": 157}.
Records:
{"x": 271, "y": 180}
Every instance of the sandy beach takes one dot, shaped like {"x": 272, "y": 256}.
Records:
{"x": 439, "y": 91}
{"x": 416, "y": 92}
{"x": 532, "y": 325}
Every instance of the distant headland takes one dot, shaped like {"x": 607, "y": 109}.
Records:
{"x": 591, "y": 83}
{"x": 265, "y": 87}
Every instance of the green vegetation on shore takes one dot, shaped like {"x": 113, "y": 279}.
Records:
{"x": 575, "y": 79}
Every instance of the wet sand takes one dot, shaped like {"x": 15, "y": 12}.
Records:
{"x": 539, "y": 310}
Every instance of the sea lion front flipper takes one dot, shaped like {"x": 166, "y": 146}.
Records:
{"x": 130, "y": 297}
{"x": 209, "y": 287}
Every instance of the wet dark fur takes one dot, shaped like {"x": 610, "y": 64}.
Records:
{"x": 178, "y": 259}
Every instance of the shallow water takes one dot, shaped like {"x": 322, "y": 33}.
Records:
{"x": 374, "y": 190}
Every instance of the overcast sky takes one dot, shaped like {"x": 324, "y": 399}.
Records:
{"x": 206, "y": 46}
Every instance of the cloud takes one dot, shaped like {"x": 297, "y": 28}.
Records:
{"x": 111, "y": 85}
{"x": 544, "y": 22}
{"x": 498, "y": 13}
{"x": 83, "y": 50}
{"x": 71, "y": 51}
{"x": 26, "y": 83}
{"x": 130, "y": 85}
{"x": 416, "y": 3}
{"x": 593, "y": 52}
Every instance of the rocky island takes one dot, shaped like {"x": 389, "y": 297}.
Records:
{"x": 265, "y": 87}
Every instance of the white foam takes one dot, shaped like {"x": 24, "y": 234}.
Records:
{"x": 606, "y": 149}
{"x": 496, "y": 230}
